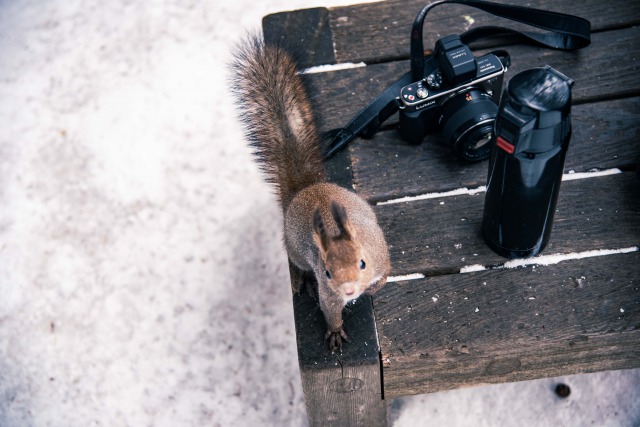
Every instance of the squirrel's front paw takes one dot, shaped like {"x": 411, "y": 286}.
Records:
{"x": 335, "y": 339}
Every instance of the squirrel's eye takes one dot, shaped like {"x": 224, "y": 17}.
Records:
{"x": 362, "y": 264}
{"x": 326, "y": 272}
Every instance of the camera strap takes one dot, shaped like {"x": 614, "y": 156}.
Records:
{"x": 562, "y": 31}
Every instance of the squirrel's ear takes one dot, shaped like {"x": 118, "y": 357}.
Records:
{"x": 339, "y": 214}
{"x": 320, "y": 232}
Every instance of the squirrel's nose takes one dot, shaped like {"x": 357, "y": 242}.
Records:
{"x": 350, "y": 292}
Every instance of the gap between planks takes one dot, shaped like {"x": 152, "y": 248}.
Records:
{"x": 537, "y": 260}
{"x": 571, "y": 176}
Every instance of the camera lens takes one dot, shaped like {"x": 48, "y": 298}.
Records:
{"x": 468, "y": 118}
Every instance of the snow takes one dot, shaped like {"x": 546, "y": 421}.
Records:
{"x": 333, "y": 67}
{"x": 427, "y": 196}
{"x": 573, "y": 175}
{"x": 570, "y": 176}
{"x": 472, "y": 268}
{"x": 143, "y": 281}
{"x": 413, "y": 276}
{"x": 557, "y": 258}
{"x": 550, "y": 259}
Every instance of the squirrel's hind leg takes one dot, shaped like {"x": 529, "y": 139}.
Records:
{"x": 303, "y": 280}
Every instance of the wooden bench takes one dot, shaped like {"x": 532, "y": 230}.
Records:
{"x": 464, "y": 316}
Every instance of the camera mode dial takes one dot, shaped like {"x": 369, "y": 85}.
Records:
{"x": 434, "y": 80}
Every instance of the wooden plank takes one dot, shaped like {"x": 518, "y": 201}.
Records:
{"x": 309, "y": 29}
{"x": 605, "y": 70}
{"x": 500, "y": 341}
{"x": 378, "y": 32}
{"x": 386, "y": 167}
{"x": 337, "y": 96}
{"x": 442, "y": 235}
{"x": 605, "y": 135}
{"x": 341, "y": 389}
{"x": 510, "y": 325}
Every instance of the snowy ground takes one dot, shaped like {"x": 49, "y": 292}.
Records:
{"x": 142, "y": 278}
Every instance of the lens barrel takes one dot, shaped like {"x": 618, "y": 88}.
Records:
{"x": 467, "y": 121}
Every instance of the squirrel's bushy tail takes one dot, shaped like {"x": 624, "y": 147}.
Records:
{"x": 277, "y": 116}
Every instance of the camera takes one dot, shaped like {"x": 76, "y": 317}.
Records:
{"x": 459, "y": 97}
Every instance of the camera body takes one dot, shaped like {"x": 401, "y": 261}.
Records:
{"x": 458, "y": 97}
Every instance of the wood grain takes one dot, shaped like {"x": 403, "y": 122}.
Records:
{"x": 337, "y": 386}
{"x": 442, "y": 235}
{"x": 605, "y": 135}
{"x": 605, "y": 70}
{"x": 451, "y": 329}
{"x": 309, "y": 29}
{"x": 510, "y": 325}
{"x": 378, "y": 32}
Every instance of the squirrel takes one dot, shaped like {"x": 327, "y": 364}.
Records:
{"x": 330, "y": 233}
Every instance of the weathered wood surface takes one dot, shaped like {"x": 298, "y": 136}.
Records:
{"x": 337, "y": 386}
{"x": 510, "y": 325}
{"x": 450, "y": 329}
{"x": 604, "y": 70}
{"x": 379, "y": 32}
{"x": 442, "y": 235}
{"x": 606, "y": 134}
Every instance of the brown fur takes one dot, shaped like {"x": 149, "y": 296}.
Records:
{"x": 328, "y": 230}
{"x": 277, "y": 115}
